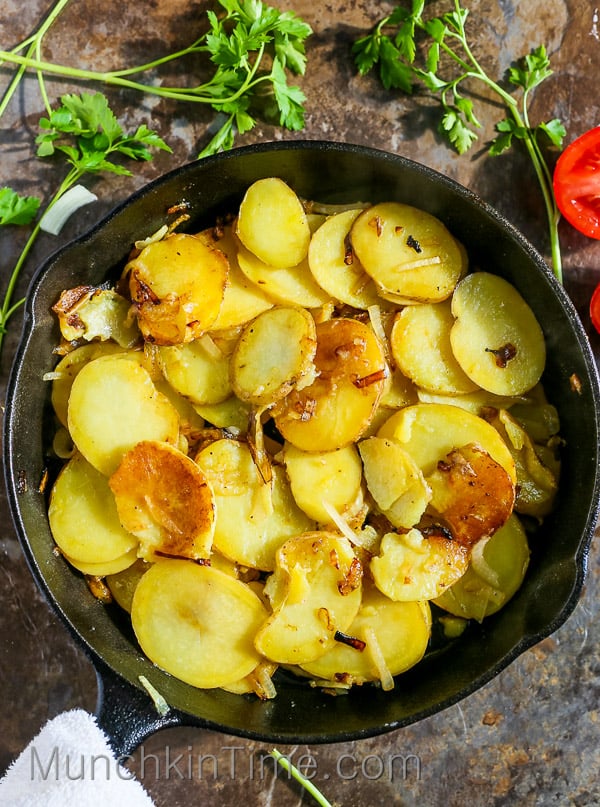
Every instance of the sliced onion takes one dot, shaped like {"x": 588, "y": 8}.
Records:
{"x": 57, "y": 214}
{"x": 376, "y": 653}
{"x": 481, "y": 566}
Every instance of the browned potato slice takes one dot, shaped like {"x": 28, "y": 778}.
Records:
{"x": 472, "y": 493}
{"x": 197, "y": 623}
{"x": 409, "y": 253}
{"x": 411, "y": 567}
{"x": 91, "y": 313}
{"x": 164, "y": 499}
{"x": 253, "y": 519}
{"x": 273, "y": 355}
{"x": 197, "y": 370}
{"x": 323, "y": 476}
{"x": 68, "y": 367}
{"x": 428, "y": 432}
{"x": 243, "y": 300}
{"x": 394, "y": 480}
{"x": 400, "y": 629}
{"x": 496, "y": 338}
{"x": 83, "y": 516}
{"x": 315, "y": 591}
{"x": 420, "y": 344}
{"x": 177, "y": 286}
{"x": 338, "y": 406}
{"x": 113, "y": 405}
{"x": 335, "y": 267}
{"x": 272, "y": 223}
{"x": 288, "y": 285}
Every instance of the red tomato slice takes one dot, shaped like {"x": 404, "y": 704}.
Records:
{"x": 577, "y": 183}
{"x": 595, "y": 308}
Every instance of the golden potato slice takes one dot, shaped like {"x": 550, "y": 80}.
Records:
{"x": 91, "y": 313}
{"x": 491, "y": 580}
{"x": 290, "y": 285}
{"x": 476, "y": 402}
{"x": 273, "y": 355}
{"x": 231, "y": 413}
{"x": 68, "y": 367}
{"x": 420, "y": 344}
{"x": 472, "y": 492}
{"x": 164, "y": 499}
{"x": 315, "y": 591}
{"x": 411, "y": 567}
{"x": 409, "y": 253}
{"x": 253, "y": 519}
{"x": 242, "y": 300}
{"x": 317, "y": 476}
{"x": 496, "y": 338}
{"x": 98, "y": 570}
{"x": 197, "y": 370}
{"x": 394, "y": 481}
{"x": 190, "y": 422}
{"x": 334, "y": 265}
{"x": 177, "y": 286}
{"x": 401, "y": 630}
{"x": 428, "y": 432}
{"x": 338, "y": 406}
{"x": 197, "y": 623}
{"x": 122, "y": 584}
{"x": 272, "y": 223}
{"x": 114, "y": 405}
{"x": 83, "y": 517}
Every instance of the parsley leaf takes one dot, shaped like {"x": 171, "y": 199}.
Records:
{"x": 15, "y": 209}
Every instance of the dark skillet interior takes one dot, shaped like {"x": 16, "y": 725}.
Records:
{"x": 342, "y": 173}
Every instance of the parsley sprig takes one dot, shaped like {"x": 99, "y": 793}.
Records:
{"x": 409, "y": 50}
{"x": 85, "y": 132}
{"x": 252, "y": 46}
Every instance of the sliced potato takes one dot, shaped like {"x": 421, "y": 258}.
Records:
{"x": 338, "y": 406}
{"x": 196, "y": 371}
{"x": 83, "y": 516}
{"x": 491, "y": 580}
{"x": 177, "y": 286}
{"x": 412, "y": 567}
{"x": 323, "y": 476}
{"x": 253, "y": 519}
{"x": 334, "y": 265}
{"x": 476, "y": 402}
{"x": 472, "y": 492}
{"x": 288, "y": 285}
{"x": 409, "y": 253}
{"x": 65, "y": 371}
{"x": 428, "y": 432}
{"x": 400, "y": 629}
{"x": 98, "y": 570}
{"x": 496, "y": 338}
{"x": 164, "y": 499}
{"x": 394, "y": 480}
{"x": 272, "y": 223}
{"x": 315, "y": 591}
{"x": 122, "y": 584}
{"x": 197, "y": 623}
{"x": 229, "y": 414}
{"x": 420, "y": 344}
{"x": 91, "y": 313}
{"x": 273, "y": 355}
{"x": 242, "y": 300}
{"x": 114, "y": 405}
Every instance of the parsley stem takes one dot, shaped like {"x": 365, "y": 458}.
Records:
{"x": 299, "y": 777}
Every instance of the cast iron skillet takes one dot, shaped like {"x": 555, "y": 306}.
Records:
{"x": 327, "y": 172}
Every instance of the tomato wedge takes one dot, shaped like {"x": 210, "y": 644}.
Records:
{"x": 595, "y": 308}
{"x": 577, "y": 183}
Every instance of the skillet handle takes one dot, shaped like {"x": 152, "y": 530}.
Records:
{"x": 127, "y": 715}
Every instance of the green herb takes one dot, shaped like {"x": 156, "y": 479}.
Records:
{"x": 85, "y": 131}
{"x": 299, "y": 777}
{"x": 252, "y": 46}
{"x": 408, "y": 49}
{"x": 15, "y": 209}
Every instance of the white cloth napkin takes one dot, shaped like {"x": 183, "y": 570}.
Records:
{"x": 70, "y": 764}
